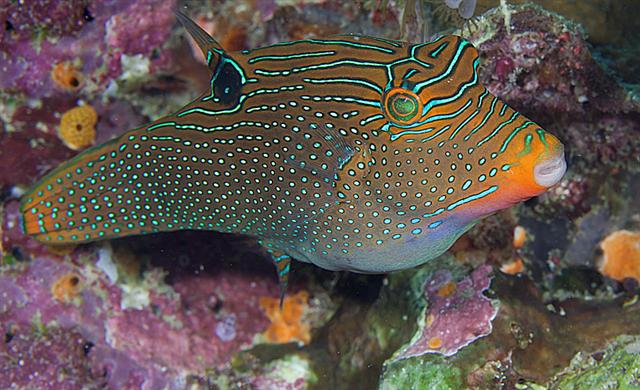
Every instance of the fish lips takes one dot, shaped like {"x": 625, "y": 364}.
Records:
{"x": 550, "y": 171}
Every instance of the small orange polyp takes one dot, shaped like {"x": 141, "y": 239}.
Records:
{"x": 66, "y": 287}
{"x": 447, "y": 290}
{"x": 435, "y": 343}
{"x": 66, "y": 76}
{"x": 513, "y": 268}
{"x": 519, "y": 237}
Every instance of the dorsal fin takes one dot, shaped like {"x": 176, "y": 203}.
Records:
{"x": 211, "y": 49}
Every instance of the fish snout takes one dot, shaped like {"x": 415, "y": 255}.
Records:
{"x": 550, "y": 170}
{"x": 539, "y": 166}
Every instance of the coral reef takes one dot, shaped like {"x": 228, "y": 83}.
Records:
{"x": 118, "y": 307}
{"x": 33, "y": 153}
{"x": 606, "y": 21}
{"x": 95, "y": 34}
{"x": 52, "y": 17}
{"x": 291, "y": 372}
{"x": 543, "y": 64}
{"x": 55, "y": 54}
{"x": 201, "y": 310}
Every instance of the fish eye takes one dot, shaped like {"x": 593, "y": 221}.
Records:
{"x": 402, "y": 106}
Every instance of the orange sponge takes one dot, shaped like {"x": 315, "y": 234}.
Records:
{"x": 77, "y": 127}
{"x": 287, "y": 324}
{"x": 621, "y": 255}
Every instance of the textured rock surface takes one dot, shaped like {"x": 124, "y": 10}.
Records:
{"x": 616, "y": 367}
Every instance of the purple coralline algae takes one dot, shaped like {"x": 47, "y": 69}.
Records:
{"x": 33, "y": 153}
{"x": 107, "y": 43}
{"x": 25, "y": 18}
{"x": 147, "y": 21}
{"x": 542, "y": 63}
{"x": 94, "y": 33}
{"x": 458, "y": 314}
{"x": 53, "y": 360}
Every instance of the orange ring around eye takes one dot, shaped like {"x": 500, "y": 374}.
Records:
{"x": 402, "y": 106}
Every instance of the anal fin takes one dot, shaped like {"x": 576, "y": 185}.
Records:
{"x": 282, "y": 261}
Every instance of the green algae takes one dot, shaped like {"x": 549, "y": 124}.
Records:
{"x": 8, "y": 260}
{"x": 617, "y": 367}
{"x": 430, "y": 372}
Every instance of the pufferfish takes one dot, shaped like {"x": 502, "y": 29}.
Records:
{"x": 351, "y": 152}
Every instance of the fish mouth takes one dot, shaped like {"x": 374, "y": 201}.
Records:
{"x": 550, "y": 171}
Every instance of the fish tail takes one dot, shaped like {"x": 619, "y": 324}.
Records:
{"x": 89, "y": 197}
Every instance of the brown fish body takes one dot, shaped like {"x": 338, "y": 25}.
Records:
{"x": 351, "y": 153}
